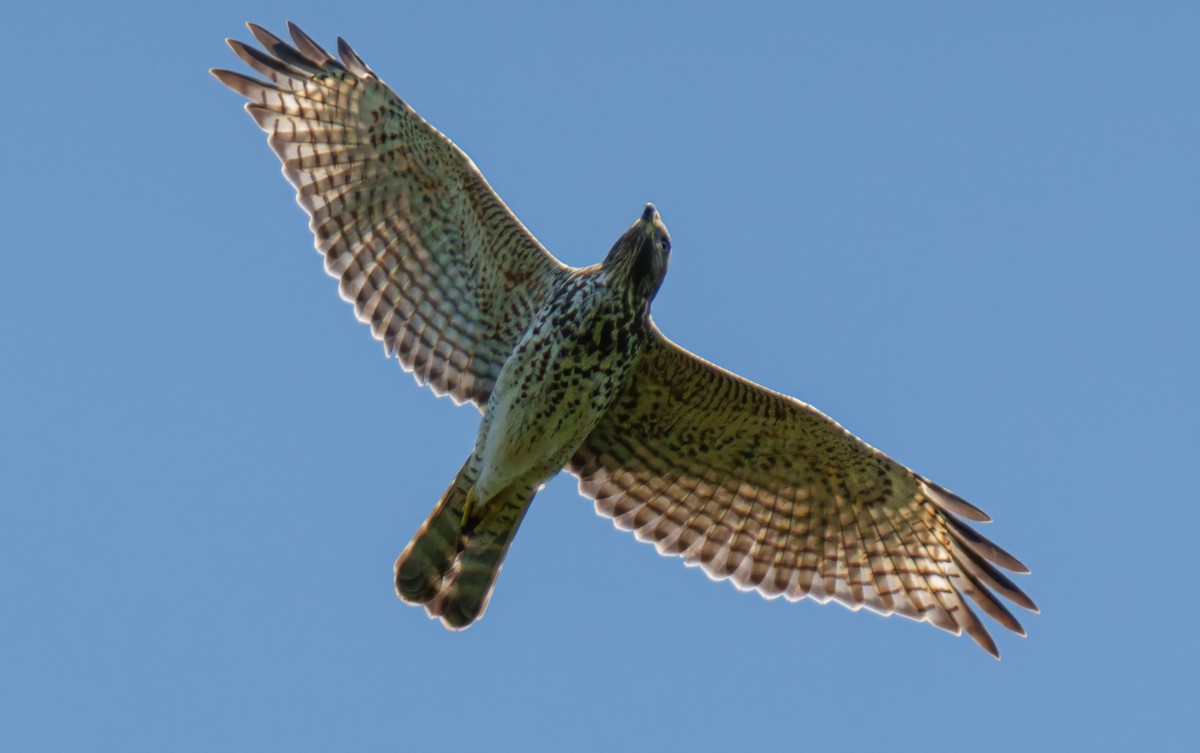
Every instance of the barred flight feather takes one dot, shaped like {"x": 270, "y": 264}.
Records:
{"x": 762, "y": 490}
{"x": 429, "y": 256}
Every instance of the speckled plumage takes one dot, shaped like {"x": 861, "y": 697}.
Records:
{"x": 570, "y": 371}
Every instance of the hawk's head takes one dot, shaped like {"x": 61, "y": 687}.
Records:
{"x": 640, "y": 256}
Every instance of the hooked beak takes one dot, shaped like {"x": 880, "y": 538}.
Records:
{"x": 648, "y": 218}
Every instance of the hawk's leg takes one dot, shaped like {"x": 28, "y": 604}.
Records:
{"x": 469, "y": 506}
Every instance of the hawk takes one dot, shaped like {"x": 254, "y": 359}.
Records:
{"x": 570, "y": 372}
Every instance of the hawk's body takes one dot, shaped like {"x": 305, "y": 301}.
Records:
{"x": 571, "y": 372}
{"x": 562, "y": 377}
{"x": 560, "y": 380}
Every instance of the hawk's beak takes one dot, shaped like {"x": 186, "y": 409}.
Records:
{"x": 649, "y": 216}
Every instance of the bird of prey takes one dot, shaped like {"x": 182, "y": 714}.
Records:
{"x": 571, "y": 373}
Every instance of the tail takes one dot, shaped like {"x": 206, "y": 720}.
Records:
{"x": 452, "y": 569}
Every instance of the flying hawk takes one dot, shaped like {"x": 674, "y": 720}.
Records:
{"x": 571, "y": 372}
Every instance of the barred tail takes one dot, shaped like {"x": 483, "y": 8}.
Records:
{"x": 451, "y": 569}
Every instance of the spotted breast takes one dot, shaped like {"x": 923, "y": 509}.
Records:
{"x": 559, "y": 381}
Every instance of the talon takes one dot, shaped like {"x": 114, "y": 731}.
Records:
{"x": 468, "y": 506}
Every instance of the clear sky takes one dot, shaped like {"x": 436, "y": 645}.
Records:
{"x": 968, "y": 234}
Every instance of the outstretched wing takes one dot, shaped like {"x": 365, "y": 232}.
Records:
{"x": 428, "y": 254}
{"x": 762, "y": 489}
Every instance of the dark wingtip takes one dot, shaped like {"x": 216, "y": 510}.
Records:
{"x": 307, "y": 45}
{"x": 259, "y": 33}
{"x": 351, "y": 60}
{"x": 951, "y": 502}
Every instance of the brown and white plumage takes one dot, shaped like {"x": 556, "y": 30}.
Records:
{"x": 749, "y": 484}
{"x": 428, "y": 254}
{"x": 758, "y": 487}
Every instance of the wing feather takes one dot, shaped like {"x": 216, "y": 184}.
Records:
{"x": 763, "y": 490}
{"x": 428, "y": 254}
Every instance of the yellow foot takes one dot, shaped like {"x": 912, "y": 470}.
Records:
{"x": 468, "y": 506}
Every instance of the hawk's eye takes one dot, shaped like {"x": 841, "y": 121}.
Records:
{"x": 666, "y": 245}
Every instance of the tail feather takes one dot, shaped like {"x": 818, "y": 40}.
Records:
{"x": 451, "y": 569}
{"x": 429, "y": 556}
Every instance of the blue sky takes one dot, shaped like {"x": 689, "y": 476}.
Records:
{"x": 968, "y": 234}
